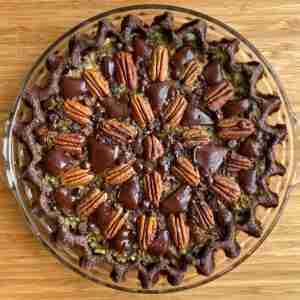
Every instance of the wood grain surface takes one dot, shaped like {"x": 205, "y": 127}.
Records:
{"x": 27, "y": 270}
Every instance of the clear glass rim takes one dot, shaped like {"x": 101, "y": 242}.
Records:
{"x": 9, "y": 162}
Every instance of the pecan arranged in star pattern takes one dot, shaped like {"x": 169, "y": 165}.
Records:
{"x": 173, "y": 113}
{"x": 78, "y": 112}
{"x": 142, "y": 111}
{"x": 194, "y": 137}
{"x": 203, "y": 215}
{"x": 160, "y": 64}
{"x": 153, "y": 187}
{"x": 190, "y": 72}
{"x": 119, "y": 132}
{"x": 153, "y": 148}
{"x": 235, "y": 128}
{"x": 96, "y": 83}
{"x": 75, "y": 176}
{"x": 147, "y": 226}
{"x": 179, "y": 230}
{"x": 120, "y": 174}
{"x": 115, "y": 224}
{"x": 70, "y": 142}
{"x": 237, "y": 162}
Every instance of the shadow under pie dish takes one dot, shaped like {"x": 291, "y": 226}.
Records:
{"x": 149, "y": 149}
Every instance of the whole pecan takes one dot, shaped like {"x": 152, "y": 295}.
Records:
{"x": 96, "y": 82}
{"x": 185, "y": 170}
{"x": 159, "y": 64}
{"x": 194, "y": 137}
{"x": 219, "y": 94}
{"x": 115, "y": 224}
{"x": 174, "y": 111}
{"x": 153, "y": 149}
{"x": 190, "y": 72}
{"x": 202, "y": 215}
{"x": 226, "y": 188}
{"x": 119, "y": 132}
{"x": 126, "y": 72}
{"x": 179, "y": 230}
{"x": 90, "y": 203}
{"x": 70, "y": 142}
{"x": 153, "y": 187}
{"x": 235, "y": 128}
{"x": 76, "y": 176}
{"x": 120, "y": 174}
{"x": 141, "y": 110}
{"x": 147, "y": 227}
{"x": 237, "y": 162}
{"x": 78, "y": 112}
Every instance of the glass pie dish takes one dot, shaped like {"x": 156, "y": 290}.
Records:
{"x": 285, "y": 153}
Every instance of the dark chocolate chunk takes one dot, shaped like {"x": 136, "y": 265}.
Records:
{"x": 56, "y": 161}
{"x": 194, "y": 116}
{"x": 178, "y": 201}
{"x": 64, "y": 201}
{"x": 209, "y": 157}
{"x": 108, "y": 67}
{"x": 140, "y": 49}
{"x": 160, "y": 245}
{"x": 122, "y": 241}
{"x": 129, "y": 193}
{"x": 251, "y": 148}
{"x": 234, "y": 108}
{"x": 213, "y": 72}
{"x": 115, "y": 108}
{"x": 157, "y": 93}
{"x": 72, "y": 87}
{"x": 247, "y": 180}
{"x": 102, "y": 155}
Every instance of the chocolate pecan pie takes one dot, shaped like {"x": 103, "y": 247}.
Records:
{"x": 150, "y": 148}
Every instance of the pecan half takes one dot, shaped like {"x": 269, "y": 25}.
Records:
{"x": 141, "y": 110}
{"x": 237, "y": 162}
{"x": 202, "y": 215}
{"x": 185, "y": 170}
{"x": 119, "y": 132}
{"x": 120, "y": 174}
{"x": 147, "y": 227}
{"x": 153, "y": 149}
{"x": 90, "y": 203}
{"x": 194, "y": 137}
{"x": 70, "y": 142}
{"x": 179, "y": 230}
{"x": 78, "y": 112}
{"x": 153, "y": 187}
{"x": 160, "y": 64}
{"x": 76, "y": 176}
{"x": 96, "y": 83}
{"x": 219, "y": 94}
{"x": 115, "y": 224}
{"x": 226, "y": 188}
{"x": 126, "y": 70}
{"x": 190, "y": 72}
{"x": 174, "y": 111}
{"x": 235, "y": 128}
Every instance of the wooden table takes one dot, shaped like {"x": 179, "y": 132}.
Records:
{"x": 27, "y": 270}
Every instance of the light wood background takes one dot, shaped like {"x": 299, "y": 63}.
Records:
{"x": 27, "y": 270}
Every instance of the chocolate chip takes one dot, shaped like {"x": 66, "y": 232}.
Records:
{"x": 178, "y": 201}
{"x": 129, "y": 193}
{"x": 251, "y": 148}
{"x": 72, "y": 87}
{"x": 141, "y": 49}
{"x": 209, "y": 157}
{"x": 102, "y": 155}
{"x": 56, "y": 161}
